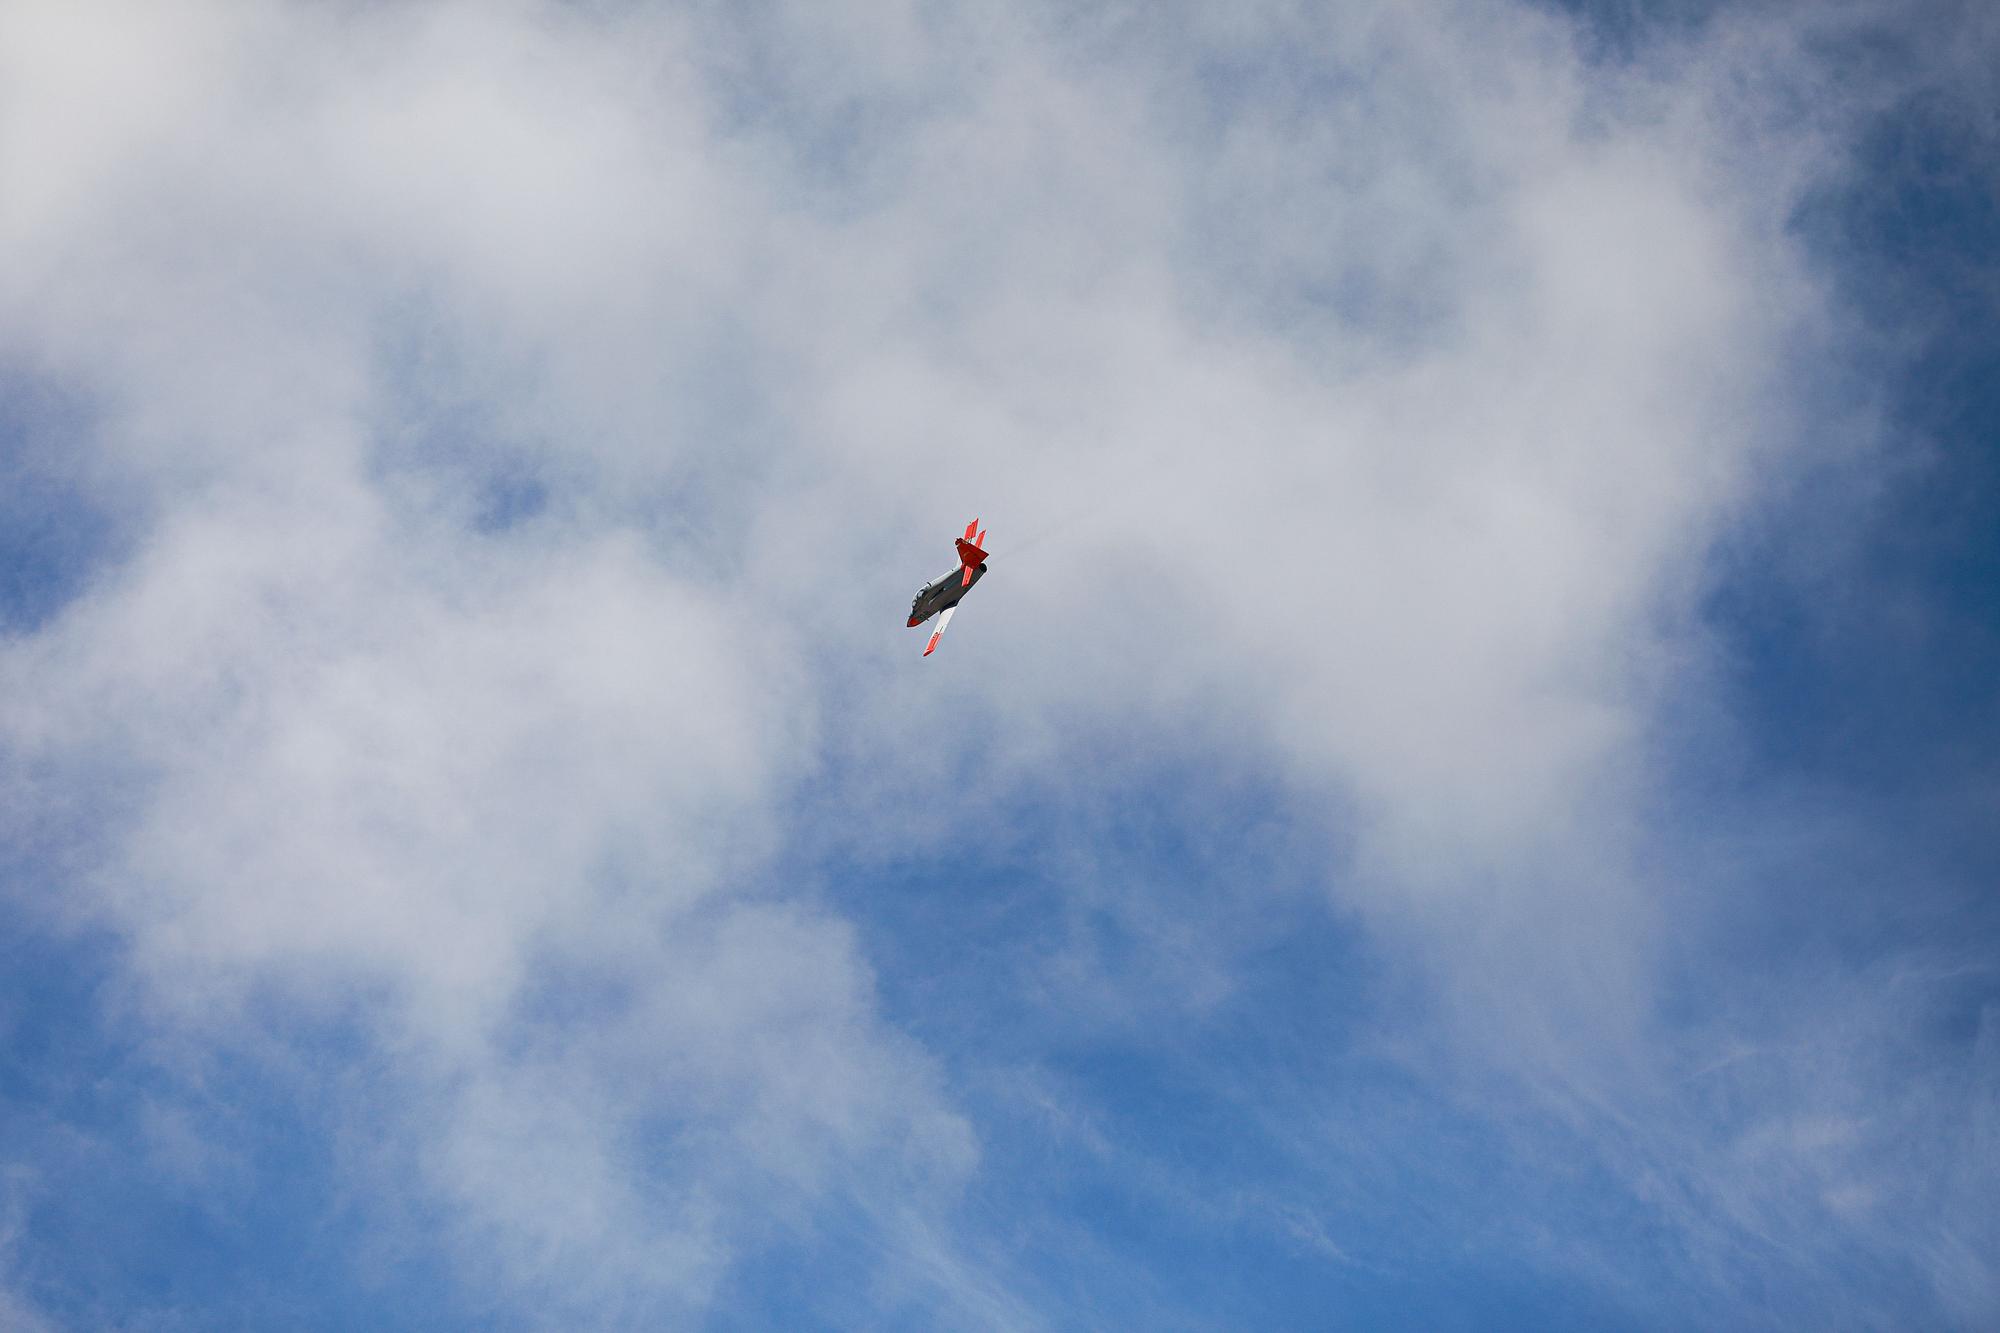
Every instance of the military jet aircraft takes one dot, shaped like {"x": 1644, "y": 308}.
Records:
{"x": 946, "y": 593}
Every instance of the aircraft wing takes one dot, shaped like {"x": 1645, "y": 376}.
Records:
{"x": 938, "y": 633}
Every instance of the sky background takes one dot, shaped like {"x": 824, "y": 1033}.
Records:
{"x": 1467, "y": 800}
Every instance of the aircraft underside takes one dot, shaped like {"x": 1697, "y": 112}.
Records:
{"x": 945, "y": 594}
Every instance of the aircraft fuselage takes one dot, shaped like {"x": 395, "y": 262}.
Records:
{"x": 945, "y": 592}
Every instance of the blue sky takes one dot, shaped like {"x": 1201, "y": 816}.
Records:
{"x": 1467, "y": 800}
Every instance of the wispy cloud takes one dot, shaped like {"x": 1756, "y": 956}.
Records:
{"x": 518, "y": 427}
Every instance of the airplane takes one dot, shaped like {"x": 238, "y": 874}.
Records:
{"x": 946, "y": 593}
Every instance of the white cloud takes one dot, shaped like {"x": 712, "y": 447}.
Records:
{"x": 16, "y": 1310}
{"x": 1373, "y": 382}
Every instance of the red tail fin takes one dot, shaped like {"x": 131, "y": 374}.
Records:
{"x": 969, "y": 553}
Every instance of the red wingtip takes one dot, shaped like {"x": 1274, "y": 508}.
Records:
{"x": 936, "y": 634}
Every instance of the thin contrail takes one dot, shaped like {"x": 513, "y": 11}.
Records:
{"x": 1054, "y": 528}
{"x": 1110, "y": 504}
